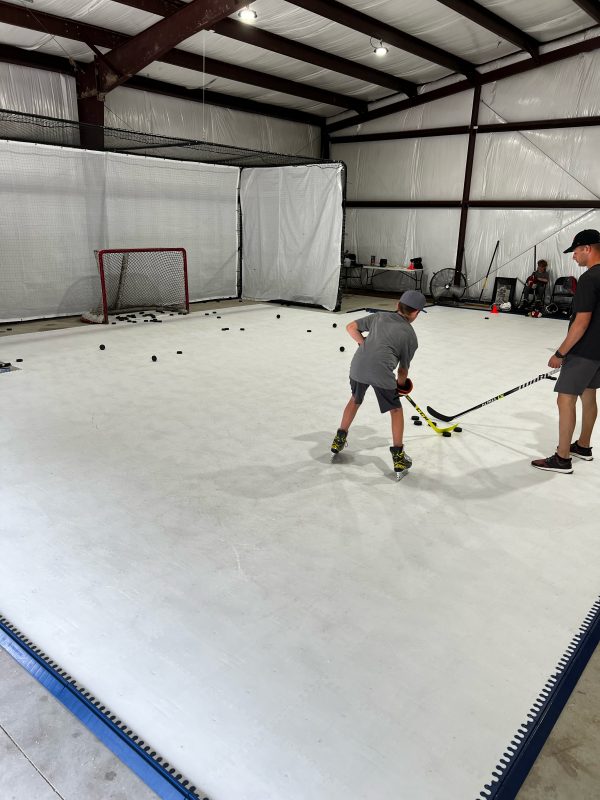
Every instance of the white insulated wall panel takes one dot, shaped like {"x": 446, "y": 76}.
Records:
{"x": 454, "y": 110}
{"x": 37, "y": 91}
{"x": 515, "y": 165}
{"x": 569, "y": 88}
{"x": 400, "y": 234}
{"x": 171, "y": 116}
{"x": 405, "y": 169}
{"x": 550, "y": 231}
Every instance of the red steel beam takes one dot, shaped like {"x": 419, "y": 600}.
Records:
{"x": 492, "y": 22}
{"x": 102, "y": 37}
{"x": 344, "y": 15}
{"x": 150, "y": 45}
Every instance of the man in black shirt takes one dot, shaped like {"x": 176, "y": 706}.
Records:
{"x": 579, "y": 357}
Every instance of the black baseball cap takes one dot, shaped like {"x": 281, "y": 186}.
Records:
{"x": 589, "y": 236}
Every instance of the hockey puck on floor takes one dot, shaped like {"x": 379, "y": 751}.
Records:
{"x": 180, "y": 352}
{"x": 414, "y": 417}
{"x": 342, "y": 349}
{"x": 242, "y": 329}
{"x": 154, "y": 358}
{"x": 446, "y": 433}
{"x": 102, "y": 347}
{"x": 224, "y": 329}
{"x": 18, "y": 360}
{"x": 458, "y": 430}
{"x": 309, "y": 331}
{"x": 278, "y": 316}
{"x": 418, "y": 422}
{"x": 334, "y": 325}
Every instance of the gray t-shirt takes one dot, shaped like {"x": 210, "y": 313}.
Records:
{"x": 391, "y": 342}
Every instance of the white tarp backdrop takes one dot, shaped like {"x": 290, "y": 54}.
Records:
{"x": 292, "y": 233}
{"x": 59, "y": 205}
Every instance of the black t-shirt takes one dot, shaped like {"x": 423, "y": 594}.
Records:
{"x": 587, "y": 298}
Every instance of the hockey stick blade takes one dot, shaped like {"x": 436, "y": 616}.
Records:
{"x": 426, "y": 418}
{"x": 445, "y": 418}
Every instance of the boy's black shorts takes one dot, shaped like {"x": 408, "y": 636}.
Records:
{"x": 387, "y": 398}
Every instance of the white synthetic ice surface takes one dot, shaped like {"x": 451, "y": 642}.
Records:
{"x": 276, "y": 626}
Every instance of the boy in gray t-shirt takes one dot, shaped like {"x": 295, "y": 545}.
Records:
{"x": 391, "y": 344}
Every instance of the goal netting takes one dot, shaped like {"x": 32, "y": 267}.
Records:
{"x": 137, "y": 279}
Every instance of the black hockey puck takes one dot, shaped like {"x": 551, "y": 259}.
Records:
{"x": 334, "y": 325}
{"x": 18, "y": 360}
{"x": 486, "y": 317}
{"x": 446, "y": 433}
{"x": 414, "y": 417}
{"x": 308, "y": 331}
{"x": 154, "y": 358}
{"x": 278, "y": 316}
{"x": 242, "y": 329}
{"x": 418, "y": 422}
{"x": 206, "y": 314}
{"x": 342, "y": 349}
{"x": 102, "y": 347}
{"x": 113, "y": 323}
{"x": 218, "y": 317}
{"x": 180, "y": 352}
{"x": 458, "y": 430}
{"x": 224, "y": 329}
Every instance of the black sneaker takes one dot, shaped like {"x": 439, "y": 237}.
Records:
{"x": 584, "y": 453}
{"x": 554, "y": 464}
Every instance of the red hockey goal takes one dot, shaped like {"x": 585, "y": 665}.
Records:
{"x": 136, "y": 279}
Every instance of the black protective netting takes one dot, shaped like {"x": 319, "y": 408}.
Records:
{"x": 49, "y": 130}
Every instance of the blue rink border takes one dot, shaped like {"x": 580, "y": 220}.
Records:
{"x": 156, "y": 773}
{"x": 169, "y": 784}
{"x": 527, "y": 743}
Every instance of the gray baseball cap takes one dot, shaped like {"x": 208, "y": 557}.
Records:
{"x": 414, "y": 299}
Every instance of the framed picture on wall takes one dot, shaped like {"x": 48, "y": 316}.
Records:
{"x": 504, "y": 291}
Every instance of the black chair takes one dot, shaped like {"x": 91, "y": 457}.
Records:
{"x": 533, "y": 294}
{"x": 563, "y": 293}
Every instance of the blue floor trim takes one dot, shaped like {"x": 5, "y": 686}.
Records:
{"x": 156, "y": 773}
{"x": 167, "y": 783}
{"x": 527, "y": 743}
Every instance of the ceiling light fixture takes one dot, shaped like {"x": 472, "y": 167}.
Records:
{"x": 247, "y": 14}
{"x": 379, "y": 49}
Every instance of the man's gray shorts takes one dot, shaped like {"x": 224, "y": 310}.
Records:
{"x": 387, "y": 398}
{"x": 578, "y": 374}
